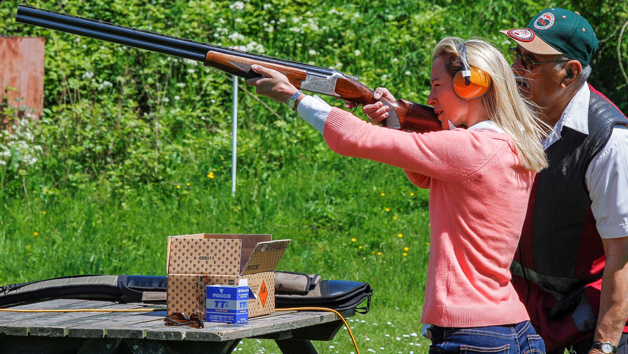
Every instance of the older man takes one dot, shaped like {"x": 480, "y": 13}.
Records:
{"x": 571, "y": 267}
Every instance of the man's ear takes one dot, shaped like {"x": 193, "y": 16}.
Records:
{"x": 571, "y": 72}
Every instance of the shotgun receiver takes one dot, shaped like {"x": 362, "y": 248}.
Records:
{"x": 402, "y": 115}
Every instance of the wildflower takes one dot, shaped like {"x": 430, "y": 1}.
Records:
{"x": 400, "y": 235}
{"x": 235, "y": 36}
{"x": 383, "y": 194}
{"x": 88, "y": 75}
{"x": 266, "y": 6}
{"x": 177, "y": 98}
{"x": 357, "y": 52}
{"x": 360, "y": 247}
{"x": 404, "y": 254}
{"x": 43, "y": 212}
{"x": 178, "y": 186}
{"x": 379, "y": 253}
{"x": 411, "y": 194}
{"x": 408, "y": 73}
{"x": 406, "y": 249}
{"x": 387, "y": 209}
{"x": 353, "y": 239}
{"x": 35, "y": 233}
{"x": 238, "y": 5}
{"x": 166, "y": 99}
{"x": 211, "y": 175}
{"x": 238, "y": 20}
{"x": 394, "y": 217}
{"x": 312, "y": 52}
{"x": 191, "y": 71}
{"x": 181, "y": 84}
{"x": 187, "y": 184}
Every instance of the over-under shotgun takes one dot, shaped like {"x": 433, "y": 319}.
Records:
{"x": 402, "y": 115}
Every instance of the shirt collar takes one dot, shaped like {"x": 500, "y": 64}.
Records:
{"x": 575, "y": 116}
{"x": 487, "y": 125}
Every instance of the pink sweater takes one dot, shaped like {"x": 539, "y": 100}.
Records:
{"x": 478, "y": 200}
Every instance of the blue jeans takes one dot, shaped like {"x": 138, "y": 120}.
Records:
{"x": 510, "y": 339}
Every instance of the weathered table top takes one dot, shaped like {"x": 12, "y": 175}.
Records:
{"x": 90, "y": 332}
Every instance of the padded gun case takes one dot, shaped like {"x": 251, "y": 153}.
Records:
{"x": 292, "y": 290}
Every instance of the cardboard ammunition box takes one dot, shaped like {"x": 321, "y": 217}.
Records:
{"x": 196, "y": 261}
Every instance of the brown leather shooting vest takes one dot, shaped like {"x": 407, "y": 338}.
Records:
{"x": 559, "y": 263}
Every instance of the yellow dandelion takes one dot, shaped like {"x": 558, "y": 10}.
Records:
{"x": 187, "y": 184}
{"x": 360, "y": 247}
{"x": 43, "y": 212}
{"x": 411, "y": 194}
{"x": 387, "y": 209}
{"x": 383, "y": 194}
{"x": 178, "y": 186}
{"x": 427, "y": 243}
{"x": 373, "y": 252}
{"x": 211, "y": 175}
{"x": 400, "y": 235}
{"x": 405, "y": 254}
{"x": 35, "y": 233}
{"x": 379, "y": 253}
{"x": 394, "y": 218}
{"x": 353, "y": 239}
{"x": 406, "y": 249}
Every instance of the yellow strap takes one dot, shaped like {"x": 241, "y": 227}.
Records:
{"x": 328, "y": 310}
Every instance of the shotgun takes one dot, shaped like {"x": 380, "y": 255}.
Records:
{"x": 403, "y": 114}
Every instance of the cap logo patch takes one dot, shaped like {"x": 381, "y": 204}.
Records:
{"x": 544, "y": 21}
{"x": 524, "y": 34}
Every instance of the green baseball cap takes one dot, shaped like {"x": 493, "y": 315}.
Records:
{"x": 558, "y": 31}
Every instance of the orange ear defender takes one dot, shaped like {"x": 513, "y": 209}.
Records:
{"x": 470, "y": 83}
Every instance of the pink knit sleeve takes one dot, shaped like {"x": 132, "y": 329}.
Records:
{"x": 445, "y": 155}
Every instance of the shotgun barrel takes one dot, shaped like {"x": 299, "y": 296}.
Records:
{"x": 133, "y": 37}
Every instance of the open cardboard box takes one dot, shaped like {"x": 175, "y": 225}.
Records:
{"x": 195, "y": 261}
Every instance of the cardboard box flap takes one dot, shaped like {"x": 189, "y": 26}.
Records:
{"x": 204, "y": 256}
{"x": 265, "y": 257}
{"x": 249, "y": 241}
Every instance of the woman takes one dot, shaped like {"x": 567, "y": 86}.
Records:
{"x": 479, "y": 178}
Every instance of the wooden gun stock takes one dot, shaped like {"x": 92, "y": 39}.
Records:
{"x": 404, "y": 115}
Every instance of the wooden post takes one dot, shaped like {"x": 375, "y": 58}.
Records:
{"x": 22, "y": 67}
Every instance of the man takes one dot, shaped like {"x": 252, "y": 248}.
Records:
{"x": 571, "y": 268}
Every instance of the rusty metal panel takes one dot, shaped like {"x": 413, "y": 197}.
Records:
{"x": 22, "y": 67}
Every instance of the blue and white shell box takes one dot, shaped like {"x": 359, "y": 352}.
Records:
{"x": 228, "y": 303}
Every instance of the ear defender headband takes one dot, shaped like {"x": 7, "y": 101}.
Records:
{"x": 470, "y": 83}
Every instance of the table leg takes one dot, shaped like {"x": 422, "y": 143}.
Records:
{"x": 291, "y": 346}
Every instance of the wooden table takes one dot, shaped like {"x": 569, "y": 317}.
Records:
{"x": 145, "y": 332}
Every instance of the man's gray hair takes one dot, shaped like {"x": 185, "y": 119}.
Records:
{"x": 584, "y": 74}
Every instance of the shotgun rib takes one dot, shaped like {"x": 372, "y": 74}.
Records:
{"x": 403, "y": 114}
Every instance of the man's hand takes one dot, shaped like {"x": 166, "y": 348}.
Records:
{"x": 613, "y": 301}
{"x": 377, "y": 112}
{"x": 273, "y": 84}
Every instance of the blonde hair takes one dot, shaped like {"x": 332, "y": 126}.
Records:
{"x": 503, "y": 103}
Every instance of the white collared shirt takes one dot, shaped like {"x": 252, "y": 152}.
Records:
{"x": 607, "y": 175}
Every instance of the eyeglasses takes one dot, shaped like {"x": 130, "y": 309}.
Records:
{"x": 180, "y": 319}
{"x": 528, "y": 63}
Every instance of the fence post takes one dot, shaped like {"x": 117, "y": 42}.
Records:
{"x": 234, "y": 138}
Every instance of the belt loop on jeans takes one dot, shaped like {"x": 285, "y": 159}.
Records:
{"x": 436, "y": 334}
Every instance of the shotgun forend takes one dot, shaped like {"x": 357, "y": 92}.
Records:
{"x": 403, "y": 114}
